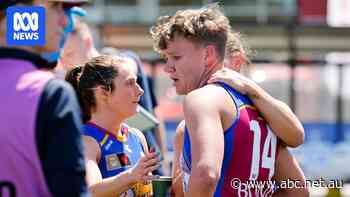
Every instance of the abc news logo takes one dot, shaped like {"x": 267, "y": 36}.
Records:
{"x": 25, "y": 25}
{"x": 32, "y": 25}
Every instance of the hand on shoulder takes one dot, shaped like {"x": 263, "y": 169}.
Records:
{"x": 234, "y": 79}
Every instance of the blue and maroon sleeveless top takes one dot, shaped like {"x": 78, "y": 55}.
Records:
{"x": 249, "y": 153}
{"x": 118, "y": 153}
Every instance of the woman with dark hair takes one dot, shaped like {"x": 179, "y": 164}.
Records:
{"x": 117, "y": 156}
{"x": 156, "y": 137}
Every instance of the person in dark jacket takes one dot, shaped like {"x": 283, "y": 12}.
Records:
{"x": 40, "y": 125}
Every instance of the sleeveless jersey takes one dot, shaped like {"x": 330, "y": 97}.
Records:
{"x": 119, "y": 153}
{"x": 249, "y": 153}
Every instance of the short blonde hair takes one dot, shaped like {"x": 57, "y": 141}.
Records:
{"x": 201, "y": 26}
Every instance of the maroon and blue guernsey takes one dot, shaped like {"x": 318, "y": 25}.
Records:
{"x": 249, "y": 153}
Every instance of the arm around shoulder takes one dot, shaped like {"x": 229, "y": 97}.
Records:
{"x": 279, "y": 116}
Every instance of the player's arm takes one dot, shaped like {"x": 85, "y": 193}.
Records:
{"x": 288, "y": 168}
{"x": 176, "y": 187}
{"x": 279, "y": 116}
{"x": 96, "y": 184}
{"x": 117, "y": 184}
{"x": 207, "y": 141}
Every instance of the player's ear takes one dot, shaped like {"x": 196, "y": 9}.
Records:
{"x": 237, "y": 60}
{"x": 210, "y": 56}
{"x": 101, "y": 93}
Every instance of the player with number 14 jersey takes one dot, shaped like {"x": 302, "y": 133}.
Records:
{"x": 249, "y": 153}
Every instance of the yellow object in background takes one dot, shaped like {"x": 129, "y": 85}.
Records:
{"x": 142, "y": 190}
{"x": 334, "y": 192}
{"x": 138, "y": 190}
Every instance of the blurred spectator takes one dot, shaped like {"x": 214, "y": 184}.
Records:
{"x": 118, "y": 161}
{"x": 78, "y": 48}
{"x": 41, "y": 152}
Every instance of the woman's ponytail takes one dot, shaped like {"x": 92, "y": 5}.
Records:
{"x": 73, "y": 77}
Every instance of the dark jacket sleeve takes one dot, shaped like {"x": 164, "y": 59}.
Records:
{"x": 58, "y": 135}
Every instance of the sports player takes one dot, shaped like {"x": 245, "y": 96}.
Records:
{"x": 41, "y": 150}
{"x": 235, "y": 57}
{"x": 279, "y": 116}
{"x": 286, "y": 167}
{"x": 117, "y": 158}
{"x": 155, "y": 137}
{"x": 283, "y": 122}
{"x": 224, "y": 137}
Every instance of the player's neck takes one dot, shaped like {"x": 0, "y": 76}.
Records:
{"x": 105, "y": 121}
{"x": 209, "y": 72}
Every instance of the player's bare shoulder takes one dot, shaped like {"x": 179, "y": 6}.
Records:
{"x": 208, "y": 95}
{"x": 211, "y": 99}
